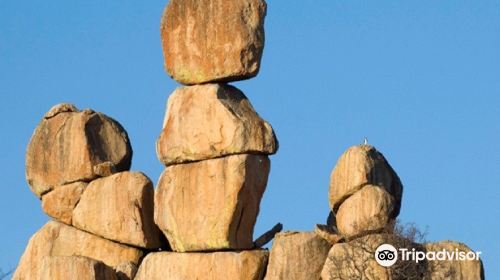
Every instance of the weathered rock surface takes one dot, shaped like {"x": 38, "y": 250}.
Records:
{"x": 70, "y": 145}
{"x": 57, "y": 239}
{"x": 74, "y": 267}
{"x": 355, "y": 260}
{"x": 209, "y": 121}
{"x": 120, "y": 208}
{"x": 328, "y": 233}
{"x": 454, "y": 270}
{"x": 244, "y": 265}
{"x": 60, "y": 202}
{"x": 211, "y": 204}
{"x": 206, "y": 40}
{"x": 359, "y": 166}
{"x": 367, "y": 210}
{"x": 126, "y": 271}
{"x": 297, "y": 255}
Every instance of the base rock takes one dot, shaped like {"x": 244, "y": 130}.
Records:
{"x": 243, "y": 265}
{"x": 297, "y": 255}
{"x": 57, "y": 239}
{"x": 81, "y": 268}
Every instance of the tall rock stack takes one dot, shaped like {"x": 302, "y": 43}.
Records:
{"x": 213, "y": 144}
{"x": 77, "y": 163}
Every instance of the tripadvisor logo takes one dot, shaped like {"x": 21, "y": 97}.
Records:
{"x": 386, "y": 255}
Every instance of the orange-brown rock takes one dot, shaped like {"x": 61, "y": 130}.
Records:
{"x": 73, "y": 267}
{"x": 60, "y": 202}
{"x": 57, "y": 239}
{"x": 120, "y": 208}
{"x": 70, "y": 145}
{"x": 328, "y": 233}
{"x": 359, "y": 166}
{"x": 209, "y": 121}
{"x": 355, "y": 260}
{"x": 367, "y": 210}
{"x": 211, "y": 204}
{"x": 206, "y": 40}
{"x": 243, "y": 265}
{"x": 126, "y": 271}
{"x": 297, "y": 255}
{"x": 455, "y": 269}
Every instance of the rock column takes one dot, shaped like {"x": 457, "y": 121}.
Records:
{"x": 213, "y": 144}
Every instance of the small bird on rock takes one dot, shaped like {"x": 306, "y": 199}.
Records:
{"x": 365, "y": 141}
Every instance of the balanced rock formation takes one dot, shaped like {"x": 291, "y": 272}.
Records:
{"x": 211, "y": 204}
{"x": 77, "y": 162}
{"x": 214, "y": 145}
{"x": 120, "y": 208}
{"x": 70, "y": 145}
{"x": 57, "y": 239}
{"x": 359, "y": 166}
{"x": 213, "y": 41}
{"x": 209, "y": 121}
{"x": 365, "y": 192}
{"x": 82, "y": 268}
{"x": 297, "y": 255}
{"x": 244, "y": 265}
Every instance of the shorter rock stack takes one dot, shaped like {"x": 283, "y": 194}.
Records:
{"x": 77, "y": 162}
{"x": 213, "y": 144}
{"x": 365, "y": 198}
{"x": 365, "y": 192}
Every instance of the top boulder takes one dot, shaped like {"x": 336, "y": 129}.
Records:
{"x": 70, "y": 145}
{"x": 359, "y": 166}
{"x": 213, "y": 40}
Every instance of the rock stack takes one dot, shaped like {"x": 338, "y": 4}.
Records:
{"x": 365, "y": 198}
{"x": 109, "y": 223}
{"x": 77, "y": 163}
{"x": 213, "y": 144}
{"x": 365, "y": 192}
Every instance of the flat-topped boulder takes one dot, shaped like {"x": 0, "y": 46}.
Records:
{"x": 70, "y": 145}
{"x": 211, "y": 204}
{"x": 356, "y": 260}
{"x": 210, "y": 121}
{"x": 243, "y": 265}
{"x": 213, "y": 40}
{"x": 297, "y": 255}
{"x": 120, "y": 208}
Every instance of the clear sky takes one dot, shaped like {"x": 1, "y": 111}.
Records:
{"x": 419, "y": 78}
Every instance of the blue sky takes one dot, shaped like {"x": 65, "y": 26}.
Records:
{"x": 419, "y": 78}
